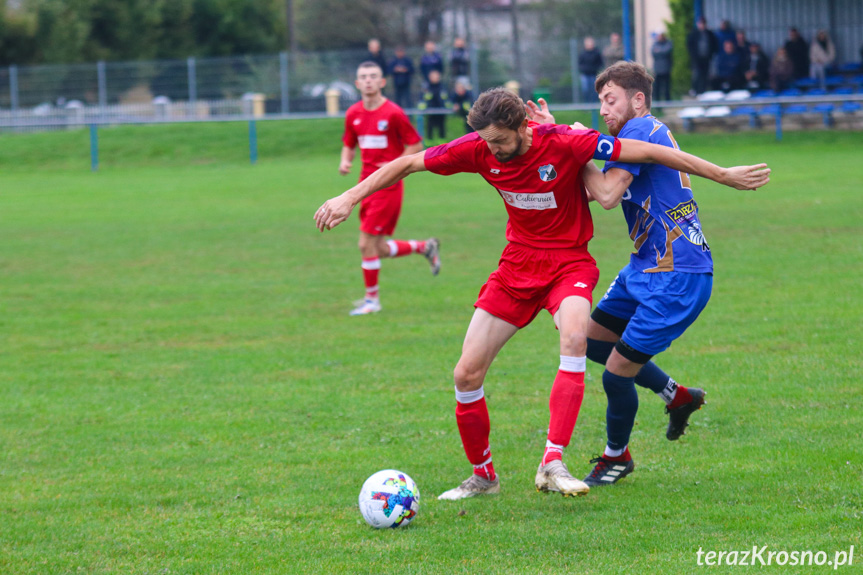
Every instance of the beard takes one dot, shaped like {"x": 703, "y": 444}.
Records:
{"x": 511, "y": 156}
{"x": 630, "y": 114}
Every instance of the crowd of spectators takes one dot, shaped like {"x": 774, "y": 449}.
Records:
{"x": 727, "y": 60}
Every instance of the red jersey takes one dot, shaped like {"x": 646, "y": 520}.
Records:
{"x": 542, "y": 189}
{"x": 382, "y": 134}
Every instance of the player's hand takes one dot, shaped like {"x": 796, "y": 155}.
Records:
{"x": 344, "y": 168}
{"x": 747, "y": 177}
{"x": 578, "y": 126}
{"x": 540, "y": 113}
{"x": 333, "y": 212}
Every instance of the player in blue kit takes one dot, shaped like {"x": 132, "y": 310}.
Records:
{"x": 667, "y": 283}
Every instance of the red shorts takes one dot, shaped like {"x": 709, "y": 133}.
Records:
{"x": 379, "y": 213}
{"x": 528, "y": 280}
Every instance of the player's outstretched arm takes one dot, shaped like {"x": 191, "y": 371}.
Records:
{"x": 336, "y": 210}
{"x": 739, "y": 177}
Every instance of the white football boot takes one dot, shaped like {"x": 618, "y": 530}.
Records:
{"x": 470, "y": 487}
{"x": 554, "y": 476}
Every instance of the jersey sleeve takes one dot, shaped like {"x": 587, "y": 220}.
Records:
{"x": 635, "y": 129}
{"x": 454, "y": 157}
{"x": 349, "y": 138}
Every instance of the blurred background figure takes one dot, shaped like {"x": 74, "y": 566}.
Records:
{"x": 701, "y": 44}
{"x": 822, "y": 54}
{"x": 462, "y": 100}
{"x": 798, "y": 52}
{"x": 742, "y": 43}
{"x": 459, "y": 62}
{"x": 401, "y": 68}
{"x": 431, "y": 60}
{"x": 729, "y": 69}
{"x": 726, "y": 32}
{"x": 614, "y": 51}
{"x": 376, "y": 55}
{"x": 756, "y": 68}
{"x": 435, "y": 96}
{"x": 781, "y": 71}
{"x": 662, "y": 62}
{"x": 589, "y": 65}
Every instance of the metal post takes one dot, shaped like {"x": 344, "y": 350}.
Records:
{"x": 474, "y": 70}
{"x": 193, "y": 86}
{"x": 627, "y": 32}
{"x": 420, "y": 124}
{"x": 779, "y": 124}
{"x": 253, "y": 142}
{"x": 94, "y": 147}
{"x": 594, "y": 119}
{"x": 573, "y": 70}
{"x": 103, "y": 86}
{"x": 13, "y": 87}
{"x": 283, "y": 81}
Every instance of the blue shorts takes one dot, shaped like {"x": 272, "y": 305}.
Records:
{"x": 658, "y": 306}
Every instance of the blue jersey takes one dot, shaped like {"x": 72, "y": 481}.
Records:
{"x": 659, "y": 208}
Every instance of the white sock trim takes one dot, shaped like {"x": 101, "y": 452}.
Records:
{"x": 548, "y": 444}
{"x": 669, "y": 391}
{"x": 483, "y": 464}
{"x": 573, "y": 364}
{"x": 394, "y": 249}
{"x": 374, "y": 264}
{"x": 469, "y": 396}
{"x": 614, "y": 452}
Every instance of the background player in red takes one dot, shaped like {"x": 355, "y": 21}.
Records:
{"x": 537, "y": 171}
{"x": 383, "y": 133}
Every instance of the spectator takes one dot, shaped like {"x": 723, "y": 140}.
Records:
{"x": 589, "y": 65}
{"x": 729, "y": 68}
{"x": 431, "y": 60}
{"x": 435, "y": 96}
{"x": 662, "y": 59}
{"x": 798, "y": 53}
{"x": 702, "y": 45}
{"x": 402, "y": 70}
{"x": 781, "y": 71}
{"x": 742, "y": 44}
{"x": 725, "y": 33}
{"x": 462, "y": 100}
{"x": 822, "y": 54}
{"x": 756, "y": 68}
{"x": 614, "y": 51}
{"x": 376, "y": 55}
{"x": 459, "y": 62}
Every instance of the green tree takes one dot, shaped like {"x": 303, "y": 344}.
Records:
{"x": 683, "y": 17}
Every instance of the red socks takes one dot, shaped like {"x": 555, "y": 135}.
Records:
{"x": 371, "y": 269}
{"x": 471, "y": 415}
{"x": 399, "y": 248}
{"x": 564, "y": 404}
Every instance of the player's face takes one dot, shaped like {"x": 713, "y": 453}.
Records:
{"x": 504, "y": 143}
{"x": 370, "y": 81}
{"x": 616, "y": 107}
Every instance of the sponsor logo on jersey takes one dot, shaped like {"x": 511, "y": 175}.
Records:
{"x": 372, "y": 142}
{"x": 685, "y": 215}
{"x": 529, "y": 201}
{"x": 383, "y": 125}
{"x": 547, "y": 173}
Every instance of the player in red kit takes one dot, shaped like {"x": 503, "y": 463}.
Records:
{"x": 537, "y": 170}
{"x": 383, "y": 133}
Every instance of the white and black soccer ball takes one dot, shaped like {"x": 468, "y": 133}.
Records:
{"x": 389, "y": 499}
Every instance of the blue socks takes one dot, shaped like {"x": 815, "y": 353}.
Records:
{"x": 622, "y": 407}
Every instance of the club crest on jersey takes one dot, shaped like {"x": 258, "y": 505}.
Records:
{"x": 383, "y": 125}
{"x": 685, "y": 215}
{"x": 547, "y": 173}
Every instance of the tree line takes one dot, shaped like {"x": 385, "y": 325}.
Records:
{"x": 73, "y": 31}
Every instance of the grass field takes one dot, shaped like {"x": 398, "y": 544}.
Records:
{"x": 182, "y": 391}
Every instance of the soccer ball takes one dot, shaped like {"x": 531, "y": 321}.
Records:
{"x": 389, "y": 498}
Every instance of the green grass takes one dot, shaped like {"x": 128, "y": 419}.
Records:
{"x": 181, "y": 390}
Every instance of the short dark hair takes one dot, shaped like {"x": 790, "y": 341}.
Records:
{"x": 499, "y": 107}
{"x": 631, "y": 76}
{"x": 370, "y": 64}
